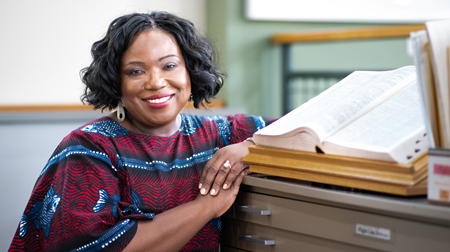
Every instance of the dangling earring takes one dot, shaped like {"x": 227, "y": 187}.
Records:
{"x": 120, "y": 112}
{"x": 189, "y": 107}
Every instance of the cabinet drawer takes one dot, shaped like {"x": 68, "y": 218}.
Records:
{"x": 340, "y": 224}
{"x": 233, "y": 232}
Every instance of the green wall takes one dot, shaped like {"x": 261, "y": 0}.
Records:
{"x": 253, "y": 64}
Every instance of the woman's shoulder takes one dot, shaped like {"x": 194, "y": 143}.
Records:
{"x": 88, "y": 140}
{"x": 97, "y": 132}
{"x": 105, "y": 126}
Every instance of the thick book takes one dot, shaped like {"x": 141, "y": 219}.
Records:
{"x": 369, "y": 114}
{"x": 420, "y": 48}
{"x": 439, "y": 41}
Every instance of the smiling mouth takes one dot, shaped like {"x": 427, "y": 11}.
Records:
{"x": 160, "y": 100}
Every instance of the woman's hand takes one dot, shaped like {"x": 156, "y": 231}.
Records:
{"x": 222, "y": 169}
{"x": 220, "y": 203}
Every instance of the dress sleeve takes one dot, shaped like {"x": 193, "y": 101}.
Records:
{"x": 80, "y": 202}
{"x": 243, "y": 126}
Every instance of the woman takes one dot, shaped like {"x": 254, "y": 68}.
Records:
{"x": 146, "y": 178}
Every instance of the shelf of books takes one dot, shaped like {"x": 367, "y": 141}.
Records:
{"x": 384, "y": 131}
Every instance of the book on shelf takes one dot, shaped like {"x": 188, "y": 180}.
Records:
{"x": 420, "y": 49}
{"x": 369, "y": 114}
{"x": 430, "y": 49}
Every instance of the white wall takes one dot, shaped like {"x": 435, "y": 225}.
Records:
{"x": 44, "y": 44}
{"x": 359, "y": 11}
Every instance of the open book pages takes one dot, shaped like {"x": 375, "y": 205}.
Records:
{"x": 439, "y": 39}
{"x": 395, "y": 127}
{"x": 369, "y": 114}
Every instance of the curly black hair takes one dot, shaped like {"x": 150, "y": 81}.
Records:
{"x": 102, "y": 77}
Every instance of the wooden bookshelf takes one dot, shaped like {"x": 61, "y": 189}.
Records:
{"x": 376, "y": 32}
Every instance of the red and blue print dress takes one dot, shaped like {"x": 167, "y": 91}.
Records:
{"x": 102, "y": 178}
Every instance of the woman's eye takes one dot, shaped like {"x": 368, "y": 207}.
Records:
{"x": 134, "y": 72}
{"x": 170, "y": 66}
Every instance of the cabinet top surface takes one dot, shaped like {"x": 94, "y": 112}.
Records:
{"x": 416, "y": 208}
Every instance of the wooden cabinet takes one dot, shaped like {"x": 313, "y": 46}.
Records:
{"x": 275, "y": 214}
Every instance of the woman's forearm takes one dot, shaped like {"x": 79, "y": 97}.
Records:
{"x": 172, "y": 229}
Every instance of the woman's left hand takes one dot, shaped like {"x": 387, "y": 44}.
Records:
{"x": 223, "y": 168}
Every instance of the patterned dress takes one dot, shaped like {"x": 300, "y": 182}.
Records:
{"x": 102, "y": 178}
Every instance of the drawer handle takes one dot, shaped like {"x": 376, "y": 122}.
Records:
{"x": 249, "y": 238}
{"x": 254, "y": 210}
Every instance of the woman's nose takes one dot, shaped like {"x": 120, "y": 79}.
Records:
{"x": 155, "y": 81}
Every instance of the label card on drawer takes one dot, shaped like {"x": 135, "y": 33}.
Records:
{"x": 375, "y": 232}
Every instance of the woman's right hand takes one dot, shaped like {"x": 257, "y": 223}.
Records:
{"x": 221, "y": 202}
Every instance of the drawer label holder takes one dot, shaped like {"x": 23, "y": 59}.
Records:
{"x": 374, "y": 232}
{"x": 254, "y": 239}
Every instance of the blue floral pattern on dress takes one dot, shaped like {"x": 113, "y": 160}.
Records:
{"x": 189, "y": 125}
{"x": 260, "y": 123}
{"x": 108, "y": 128}
{"x": 43, "y": 211}
{"x": 104, "y": 199}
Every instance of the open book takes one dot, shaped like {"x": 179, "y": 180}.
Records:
{"x": 369, "y": 114}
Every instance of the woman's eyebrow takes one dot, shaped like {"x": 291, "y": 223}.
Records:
{"x": 142, "y": 63}
{"x": 135, "y": 63}
{"x": 167, "y": 56}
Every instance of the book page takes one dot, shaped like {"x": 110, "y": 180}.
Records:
{"x": 341, "y": 103}
{"x": 385, "y": 128}
{"x": 439, "y": 38}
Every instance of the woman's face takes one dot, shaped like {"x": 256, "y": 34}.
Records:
{"x": 155, "y": 83}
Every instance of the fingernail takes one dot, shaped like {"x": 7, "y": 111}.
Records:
{"x": 213, "y": 192}
{"x": 203, "y": 191}
{"x": 200, "y": 186}
{"x": 224, "y": 186}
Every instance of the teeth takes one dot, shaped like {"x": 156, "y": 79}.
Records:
{"x": 159, "y": 100}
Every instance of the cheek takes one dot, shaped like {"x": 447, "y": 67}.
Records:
{"x": 128, "y": 94}
{"x": 188, "y": 86}
{"x": 129, "y": 87}
{"x": 188, "y": 82}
